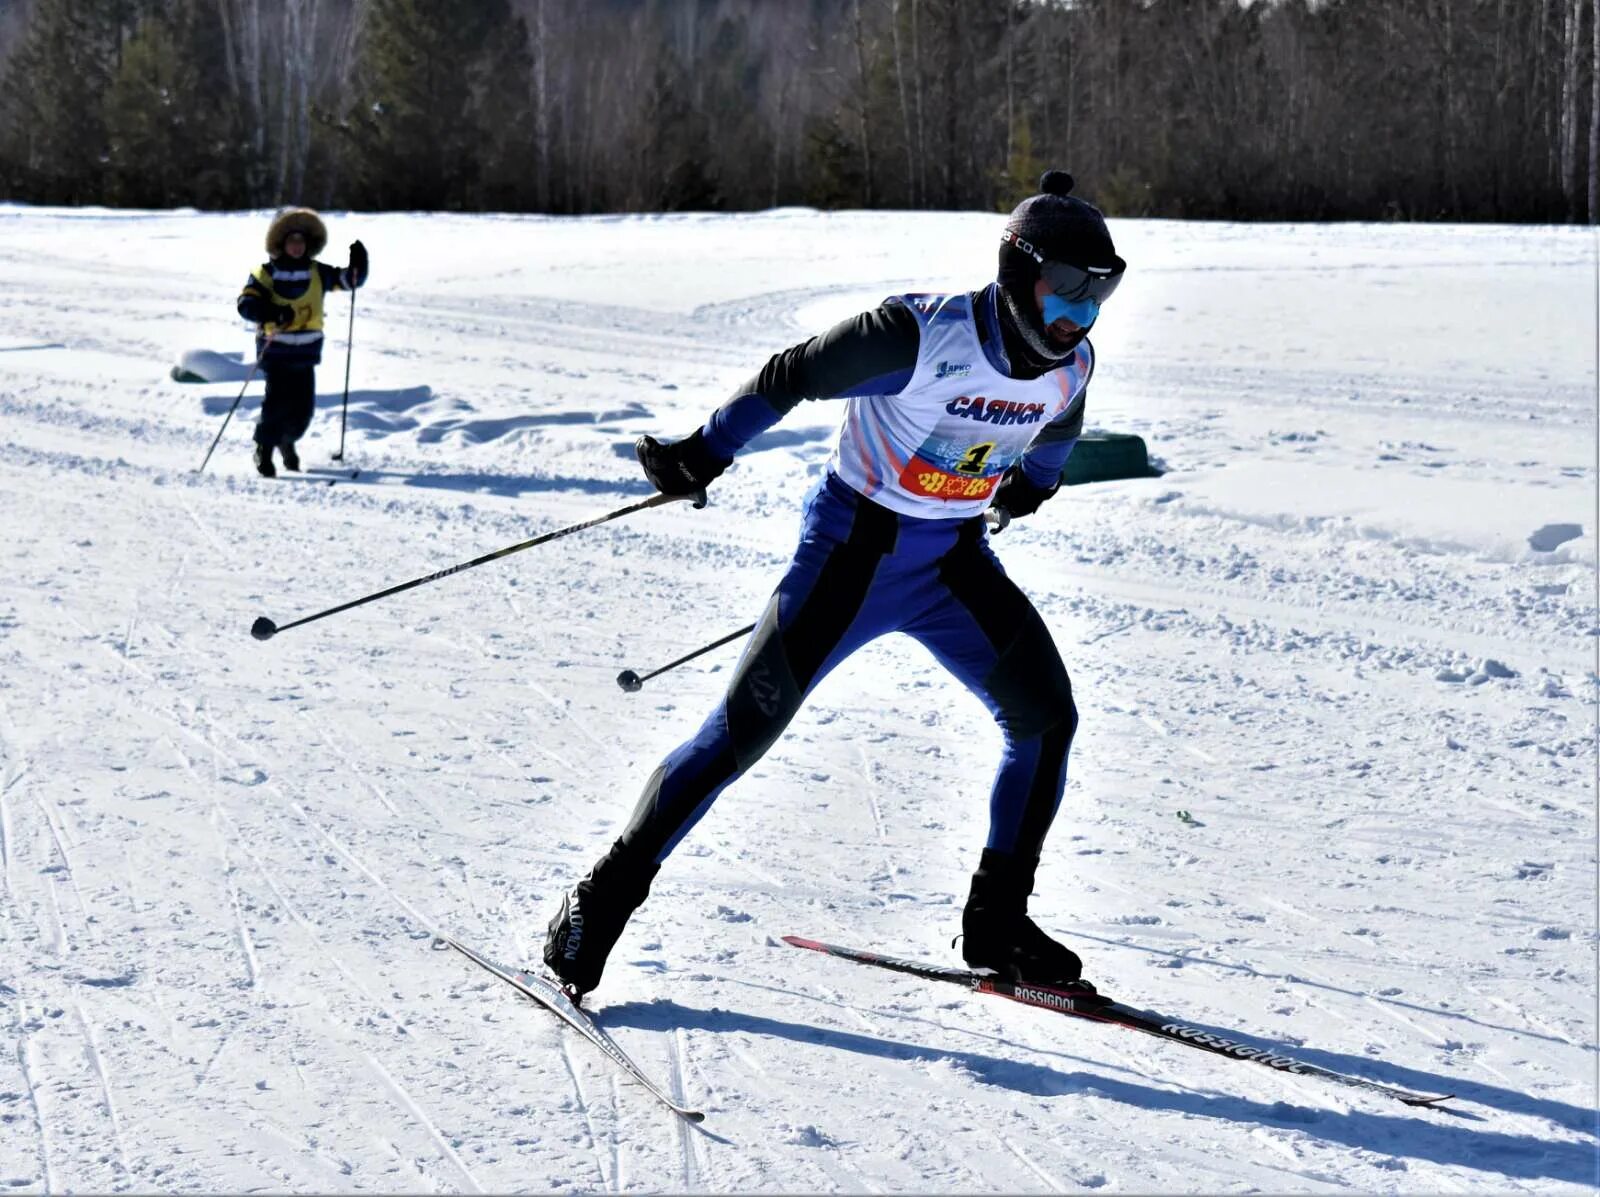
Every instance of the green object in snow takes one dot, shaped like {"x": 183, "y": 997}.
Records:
{"x": 1106, "y": 457}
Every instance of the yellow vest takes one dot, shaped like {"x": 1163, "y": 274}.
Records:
{"x": 307, "y": 306}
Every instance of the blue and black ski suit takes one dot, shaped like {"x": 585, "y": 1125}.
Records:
{"x": 894, "y": 540}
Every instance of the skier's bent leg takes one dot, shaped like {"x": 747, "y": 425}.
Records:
{"x": 762, "y": 698}
{"x": 812, "y": 622}
{"x": 299, "y": 406}
{"x": 990, "y": 636}
{"x": 1033, "y": 697}
{"x": 1030, "y": 695}
{"x": 1034, "y": 707}
{"x": 275, "y": 407}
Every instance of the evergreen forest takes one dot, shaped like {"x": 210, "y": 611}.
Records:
{"x": 1470, "y": 110}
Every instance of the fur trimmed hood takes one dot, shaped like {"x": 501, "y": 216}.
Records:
{"x": 297, "y": 220}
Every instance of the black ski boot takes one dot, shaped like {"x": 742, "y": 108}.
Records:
{"x": 291, "y": 459}
{"x": 263, "y": 460}
{"x": 997, "y": 933}
{"x": 593, "y": 914}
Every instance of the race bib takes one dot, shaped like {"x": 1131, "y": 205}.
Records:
{"x": 962, "y": 476}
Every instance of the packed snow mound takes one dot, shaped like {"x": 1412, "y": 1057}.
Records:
{"x": 207, "y": 365}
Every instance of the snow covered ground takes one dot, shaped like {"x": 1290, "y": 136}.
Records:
{"x": 1351, "y": 631}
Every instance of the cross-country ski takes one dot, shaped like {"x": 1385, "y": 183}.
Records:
{"x": 556, "y": 1000}
{"x": 1096, "y": 1008}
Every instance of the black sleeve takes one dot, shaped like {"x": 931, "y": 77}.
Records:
{"x": 874, "y": 353}
{"x": 256, "y": 303}
{"x": 870, "y": 354}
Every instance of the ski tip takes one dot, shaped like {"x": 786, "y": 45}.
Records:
{"x": 1423, "y": 1101}
{"x": 797, "y": 941}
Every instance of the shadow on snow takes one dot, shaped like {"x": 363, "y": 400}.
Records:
{"x": 1420, "y": 1134}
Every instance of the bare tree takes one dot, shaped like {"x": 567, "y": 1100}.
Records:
{"x": 919, "y": 188}
{"x": 241, "y": 27}
{"x": 1567, "y": 139}
{"x": 1011, "y": 82}
{"x": 863, "y": 105}
{"x": 1594, "y": 114}
{"x": 907, "y": 134}
{"x": 541, "y": 100}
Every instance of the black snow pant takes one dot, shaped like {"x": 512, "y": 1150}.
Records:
{"x": 290, "y": 400}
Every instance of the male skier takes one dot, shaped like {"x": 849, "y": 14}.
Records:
{"x": 955, "y": 404}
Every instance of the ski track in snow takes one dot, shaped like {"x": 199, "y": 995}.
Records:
{"x": 606, "y": 1169}
{"x": 92, "y": 1047}
{"x": 13, "y": 774}
{"x": 1352, "y": 631}
{"x": 692, "y": 1181}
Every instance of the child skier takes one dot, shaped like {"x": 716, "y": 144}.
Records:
{"x": 284, "y": 298}
{"x": 954, "y": 404}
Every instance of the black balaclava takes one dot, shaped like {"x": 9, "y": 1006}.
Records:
{"x": 1062, "y": 228}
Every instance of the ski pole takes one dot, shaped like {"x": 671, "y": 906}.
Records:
{"x": 265, "y": 629}
{"x": 631, "y": 681}
{"x": 247, "y": 380}
{"x": 349, "y": 345}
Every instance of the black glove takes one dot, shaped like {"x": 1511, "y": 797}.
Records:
{"x": 682, "y": 467}
{"x": 1017, "y": 495}
{"x": 282, "y": 315}
{"x": 358, "y": 261}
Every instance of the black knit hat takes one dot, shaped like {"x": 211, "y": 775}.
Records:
{"x": 1057, "y": 226}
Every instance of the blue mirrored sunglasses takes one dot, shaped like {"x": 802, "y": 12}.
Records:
{"x": 1082, "y": 312}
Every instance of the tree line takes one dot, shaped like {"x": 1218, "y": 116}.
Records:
{"x": 1277, "y": 109}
